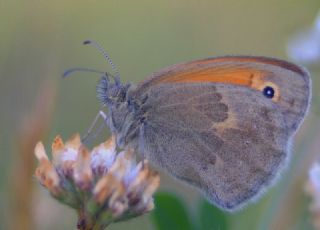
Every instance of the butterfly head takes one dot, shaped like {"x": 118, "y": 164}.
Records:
{"x": 110, "y": 91}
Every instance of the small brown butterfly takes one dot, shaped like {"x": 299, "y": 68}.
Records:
{"x": 222, "y": 124}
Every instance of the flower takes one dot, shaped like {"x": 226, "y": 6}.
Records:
{"x": 102, "y": 185}
{"x": 313, "y": 190}
{"x": 304, "y": 47}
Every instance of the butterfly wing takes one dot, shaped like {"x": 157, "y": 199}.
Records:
{"x": 226, "y": 141}
{"x": 291, "y": 83}
{"x": 209, "y": 123}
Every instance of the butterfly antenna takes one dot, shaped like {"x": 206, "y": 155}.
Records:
{"x": 71, "y": 71}
{"x": 105, "y": 54}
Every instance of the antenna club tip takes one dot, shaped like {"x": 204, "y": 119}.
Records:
{"x": 86, "y": 42}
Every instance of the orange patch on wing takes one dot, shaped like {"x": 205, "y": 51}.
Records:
{"x": 236, "y": 70}
{"x": 237, "y": 76}
{"x": 224, "y": 74}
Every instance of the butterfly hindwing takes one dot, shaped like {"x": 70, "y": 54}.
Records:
{"x": 229, "y": 145}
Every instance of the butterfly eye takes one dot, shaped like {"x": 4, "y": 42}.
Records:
{"x": 268, "y": 92}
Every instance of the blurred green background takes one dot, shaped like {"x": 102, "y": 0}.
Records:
{"x": 41, "y": 39}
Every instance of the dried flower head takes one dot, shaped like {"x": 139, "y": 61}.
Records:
{"x": 102, "y": 185}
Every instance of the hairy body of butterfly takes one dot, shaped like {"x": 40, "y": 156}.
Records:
{"x": 222, "y": 124}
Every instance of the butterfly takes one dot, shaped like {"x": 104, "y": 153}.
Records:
{"x": 223, "y": 124}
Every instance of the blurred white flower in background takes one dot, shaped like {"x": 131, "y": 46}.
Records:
{"x": 312, "y": 188}
{"x": 304, "y": 47}
{"x": 314, "y": 177}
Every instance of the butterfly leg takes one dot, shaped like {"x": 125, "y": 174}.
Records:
{"x": 89, "y": 131}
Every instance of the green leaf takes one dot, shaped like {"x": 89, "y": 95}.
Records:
{"x": 170, "y": 213}
{"x": 211, "y": 218}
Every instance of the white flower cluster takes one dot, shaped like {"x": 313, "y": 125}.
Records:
{"x": 102, "y": 185}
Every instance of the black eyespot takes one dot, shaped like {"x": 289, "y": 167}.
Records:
{"x": 268, "y": 92}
